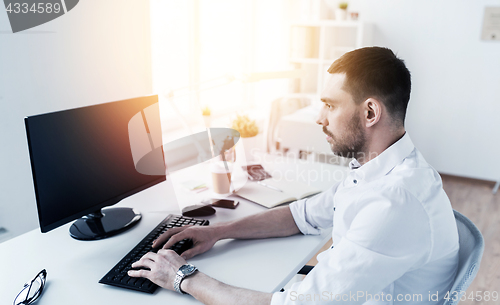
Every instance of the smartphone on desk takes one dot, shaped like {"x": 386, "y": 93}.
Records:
{"x": 223, "y": 203}
{"x": 256, "y": 172}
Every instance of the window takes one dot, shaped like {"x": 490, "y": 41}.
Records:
{"x": 196, "y": 41}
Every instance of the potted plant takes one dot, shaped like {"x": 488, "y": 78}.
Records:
{"x": 341, "y": 12}
{"x": 248, "y": 130}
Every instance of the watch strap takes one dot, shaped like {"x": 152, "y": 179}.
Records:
{"x": 179, "y": 276}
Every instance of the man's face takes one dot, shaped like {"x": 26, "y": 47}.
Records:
{"x": 341, "y": 119}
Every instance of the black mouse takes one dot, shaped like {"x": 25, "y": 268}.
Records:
{"x": 198, "y": 210}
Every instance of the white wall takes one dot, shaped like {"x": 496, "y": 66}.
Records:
{"x": 100, "y": 51}
{"x": 97, "y": 52}
{"x": 455, "y": 101}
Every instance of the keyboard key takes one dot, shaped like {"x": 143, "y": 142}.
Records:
{"x": 147, "y": 284}
{"x": 125, "y": 279}
{"x": 132, "y": 280}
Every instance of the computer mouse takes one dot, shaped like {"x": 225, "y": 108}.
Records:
{"x": 198, "y": 210}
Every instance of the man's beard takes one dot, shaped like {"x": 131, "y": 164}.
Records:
{"x": 353, "y": 141}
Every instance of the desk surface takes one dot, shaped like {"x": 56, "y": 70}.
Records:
{"x": 75, "y": 267}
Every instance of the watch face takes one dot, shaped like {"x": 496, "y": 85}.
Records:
{"x": 187, "y": 269}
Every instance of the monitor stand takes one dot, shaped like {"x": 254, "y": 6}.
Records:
{"x": 104, "y": 223}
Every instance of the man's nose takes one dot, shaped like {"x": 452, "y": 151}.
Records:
{"x": 321, "y": 120}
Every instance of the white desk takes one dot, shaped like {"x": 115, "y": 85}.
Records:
{"x": 75, "y": 267}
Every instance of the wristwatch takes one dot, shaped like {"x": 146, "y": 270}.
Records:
{"x": 184, "y": 271}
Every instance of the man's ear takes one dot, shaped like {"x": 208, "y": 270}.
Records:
{"x": 372, "y": 111}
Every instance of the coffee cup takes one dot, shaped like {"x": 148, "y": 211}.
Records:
{"x": 221, "y": 176}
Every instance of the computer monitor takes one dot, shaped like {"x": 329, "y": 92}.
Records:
{"x": 82, "y": 161}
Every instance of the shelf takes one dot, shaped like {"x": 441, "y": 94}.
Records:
{"x": 311, "y": 96}
{"x": 328, "y": 23}
{"x": 298, "y": 60}
{"x": 317, "y": 61}
{"x": 343, "y": 49}
{"x": 316, "y": 44}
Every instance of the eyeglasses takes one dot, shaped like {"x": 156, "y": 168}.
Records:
{"x": 32, "y": 290}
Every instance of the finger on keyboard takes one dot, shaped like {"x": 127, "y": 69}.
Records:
{"x": 160, "y": 241}
{"x": 173, "y": 240}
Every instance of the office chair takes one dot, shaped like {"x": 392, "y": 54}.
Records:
{"x": 471, "y": 247}
{"x": 469, "y": 257}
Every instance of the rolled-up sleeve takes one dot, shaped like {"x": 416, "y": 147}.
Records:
{"x": 389, "y": 235}
{"x": 315, "y": 213}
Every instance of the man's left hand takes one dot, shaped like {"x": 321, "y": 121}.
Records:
{"x": 162, "y": 266}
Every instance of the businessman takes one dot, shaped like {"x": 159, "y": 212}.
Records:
{"x": 395, "y": 238}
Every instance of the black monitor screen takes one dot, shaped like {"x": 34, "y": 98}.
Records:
{"x": 82, "y": 160}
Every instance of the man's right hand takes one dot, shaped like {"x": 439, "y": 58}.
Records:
{"x": 203, "y": 239}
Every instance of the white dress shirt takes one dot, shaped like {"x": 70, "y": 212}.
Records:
{"x": 395, "y": 238}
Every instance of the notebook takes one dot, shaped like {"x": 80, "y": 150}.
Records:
{"x": 291, "y": 191}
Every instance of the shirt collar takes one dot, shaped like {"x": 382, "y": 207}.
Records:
{"x": 354, "y": 164}
{"x": 385, "y": 162}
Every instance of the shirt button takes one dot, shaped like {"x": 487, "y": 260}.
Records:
{"x": 355, "y": 181}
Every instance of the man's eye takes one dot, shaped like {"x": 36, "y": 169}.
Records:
{"x": 328, "y": 106}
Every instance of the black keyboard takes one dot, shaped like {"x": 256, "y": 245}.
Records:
{"x": 117, "y": 276}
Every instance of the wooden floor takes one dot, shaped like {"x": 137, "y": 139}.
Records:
{"x": 474, "y": 199}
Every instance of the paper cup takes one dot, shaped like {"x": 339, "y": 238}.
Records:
{"x": 221, "y": 177}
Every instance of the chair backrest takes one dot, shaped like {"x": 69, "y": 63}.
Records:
{"x": 471, "y": 245}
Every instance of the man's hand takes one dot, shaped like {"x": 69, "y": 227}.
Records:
{"x": 276, "y": 222}
{"x": 163, "y": 267}
{"x": 203, "y": 239}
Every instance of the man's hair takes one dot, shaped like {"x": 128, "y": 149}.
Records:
{"x": 376, "y": 72}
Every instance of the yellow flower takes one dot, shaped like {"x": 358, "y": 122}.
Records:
{"x": 205, "y": 111}
{"x": 246, "y": 127}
